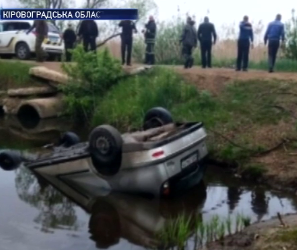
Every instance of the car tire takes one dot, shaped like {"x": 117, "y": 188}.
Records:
{"x": 69, "y": 139}
{"x": 10, "y": 160}
{"x": 22, "y": 51}
{"x": 156, "y": 117}
{"x": 105, "y": 145}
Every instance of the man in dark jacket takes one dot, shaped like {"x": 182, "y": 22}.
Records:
{"x": 274, "y": 33}
{"x": 150, "y": 35}
{"x": 88, "y": 30}
{"x": 206, "y": 32}
{"x": 69, "y": 38}
{"x": 245, "y": 40}
{"x": 41, "y": 30}
{"x": 189, "y": 41}
{"x": 127, "y": 40}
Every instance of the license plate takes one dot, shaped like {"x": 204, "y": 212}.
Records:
{"x": 54, "y": 39}
{"x": 189, "y": 160}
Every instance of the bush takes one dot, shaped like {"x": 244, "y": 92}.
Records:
{"x": 92, "y": 75}
{"x": 291, "y": 35}
{"x": 126, "y": 103}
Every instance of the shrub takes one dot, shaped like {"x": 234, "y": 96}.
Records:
{"x": 291, "y": 34}
{"x": 92, "y": 75}
{"x": 127, "y": 102}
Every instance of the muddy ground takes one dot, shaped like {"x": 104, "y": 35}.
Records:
{"x": 269, "y": 235}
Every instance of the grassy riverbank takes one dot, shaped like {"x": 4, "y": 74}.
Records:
{"x": 15, "y": 74}
{"x": 251, "y": 123}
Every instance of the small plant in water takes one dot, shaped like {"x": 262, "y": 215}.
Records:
{"x": 177, "y": 232}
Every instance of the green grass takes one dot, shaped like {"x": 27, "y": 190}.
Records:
{"x": 242, "y": 113}
{"x": 288, "y": 236}
{"x": 15, "y": 75}
{"x": 178, "y": 231}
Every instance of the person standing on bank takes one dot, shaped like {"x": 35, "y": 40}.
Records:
{"x": 274, "y": 33}
{"x": 245, "y": 41}
{"x": 127, "y": 40}
{"x": 41, "y": 29}
{"x": 205, "y": 33}
{"x": 69, "y": 38}
{"x": 88, "y": 31}
{"x": 150, "y": 35}
{"x": 189, "y": 41}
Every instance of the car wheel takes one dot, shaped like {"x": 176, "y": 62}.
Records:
{"x": 10, "y": 160}
{"x": 22, "y": 51}
{"x": 105, "y": 144}
{"x": 157, "y": 117}
{"x": 69, "y": 139}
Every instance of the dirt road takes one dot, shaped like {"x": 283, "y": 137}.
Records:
{"x": 212, "y": 79}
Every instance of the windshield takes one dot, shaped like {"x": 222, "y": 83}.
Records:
{"x": 52, "y": 28}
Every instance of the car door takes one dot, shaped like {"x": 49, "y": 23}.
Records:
{"x": 7, "y": 34}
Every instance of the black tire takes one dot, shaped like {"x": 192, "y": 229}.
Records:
{"x": 22, "y": 51}
{"x": 157, "y": 117}
{"x": 105, "y": 144}
{"x": 69, "y": 139}
{"x": 10, "y": 160}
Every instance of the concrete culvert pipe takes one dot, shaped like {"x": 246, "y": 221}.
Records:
{"x": 42, "y": 107}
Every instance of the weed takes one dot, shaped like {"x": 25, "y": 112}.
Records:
{"x": 178, "y": 231}
{"x": 15, "y": 75}
{"x": 288, "y": 236}
{"x": 253, "y": 170}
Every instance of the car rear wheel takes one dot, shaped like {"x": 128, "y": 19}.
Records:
{"x": 69, "y": 139}
{"x": 105, "y": 144}
{"x": 22, "y": 51}
{"x": 157, "y": 117}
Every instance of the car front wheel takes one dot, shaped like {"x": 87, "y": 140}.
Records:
{"x": 22, "y": 51}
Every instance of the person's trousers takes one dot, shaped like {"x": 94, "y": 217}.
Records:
{"x": 187, "y": 54}
{"x": 150, "y": 53}
{"x": 205, "y": 47}
{"x": 89, "y": 43}
{"x": 68, "y": 46}
{"x": 126, "y": 45}
{"x": 273, "y": 46}
{"x": 243, "y": 50}
{"x": 40, "y": 54}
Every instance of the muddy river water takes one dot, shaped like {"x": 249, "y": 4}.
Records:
{"x": 34, "y": 215}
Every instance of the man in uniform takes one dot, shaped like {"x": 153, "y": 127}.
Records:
{"x": 69, "y": 38}
{"x": 245, "y": 40}
{"x": 88, "y": 31}
{"x": 205, "y": 33}
{"x": 150, "y": 35}
{"x": 274, "y": 33}
{"x": 41, "y": 30}
{"x": 127, "y": 40}
{"x": 189, "y": 41}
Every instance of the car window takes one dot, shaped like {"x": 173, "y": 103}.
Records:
{"x": 1, "y": 27}
{"x": 16, "y": 26}
{"x": 52, "y": 28}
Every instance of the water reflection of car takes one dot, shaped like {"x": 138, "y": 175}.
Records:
{"x": 163, "y": 158}
{"x": 15, "y": 41}
{"x": 134, "y": 218}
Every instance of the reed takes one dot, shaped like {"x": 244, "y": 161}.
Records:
{"x": 178, "y": 231}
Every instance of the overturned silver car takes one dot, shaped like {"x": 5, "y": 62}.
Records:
{"x": 161, "y": 159}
